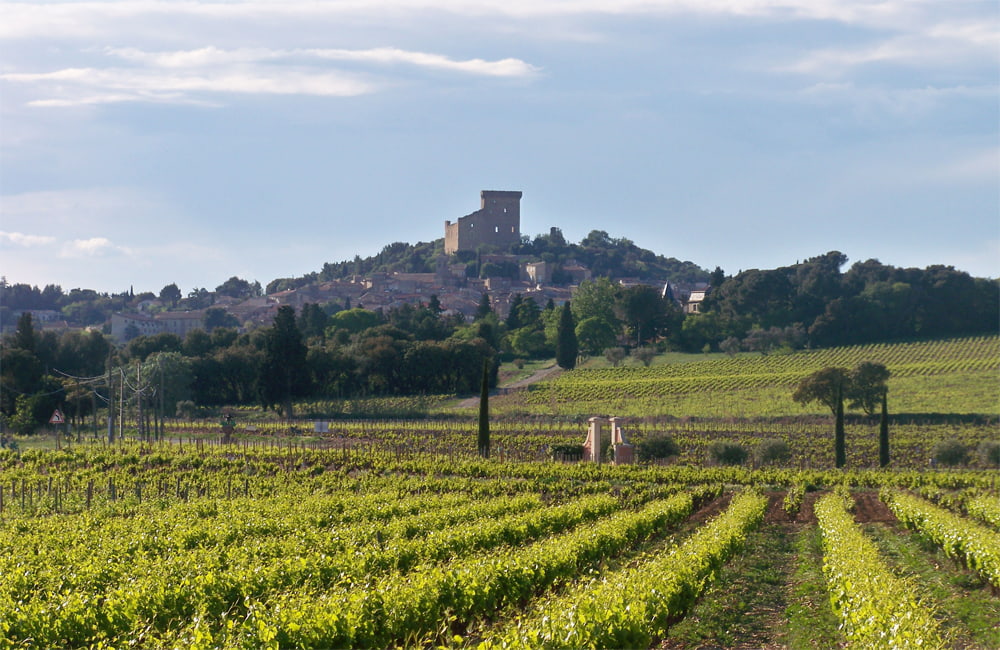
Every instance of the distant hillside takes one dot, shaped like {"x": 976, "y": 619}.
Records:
{"x": 603, "y": 255}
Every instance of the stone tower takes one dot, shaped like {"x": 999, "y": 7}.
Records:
{"x": 497, "y": 222}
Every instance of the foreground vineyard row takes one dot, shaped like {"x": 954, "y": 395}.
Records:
{"x": 321, "y": 551}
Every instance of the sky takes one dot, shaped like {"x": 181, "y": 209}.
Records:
{"x": 150, "y": 142}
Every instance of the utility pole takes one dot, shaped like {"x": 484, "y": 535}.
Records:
{"x": 140, "y": 429}
{"x": 159, "y": 428}
{"x": 111, "y": 404}
{"x": 121, "y": 407}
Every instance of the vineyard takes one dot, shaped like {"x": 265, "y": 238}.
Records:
{"x": 925, "y": 379}
{"x": 159, "y": 546}
{"x": 391, "y": 532}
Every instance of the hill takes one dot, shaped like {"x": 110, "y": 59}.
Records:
{"x": 599, "y": 253}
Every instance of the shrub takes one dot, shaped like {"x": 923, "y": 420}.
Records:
{"x": 950, "y": 452}
{"x": 614, "y": 356}
{"x": 656, "y": 448}
{"x": 728, "y": 453}
{"x": 730, "y": 346}
{"x": 772, "y": 450}
{"x": 565, "y": 452}
{"x": 186, "y": 409}
{"x": 644, "y": 355}
{"x": 989, "y": 453}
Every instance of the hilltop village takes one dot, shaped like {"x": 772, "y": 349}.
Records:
{"x": 478, "y": 255}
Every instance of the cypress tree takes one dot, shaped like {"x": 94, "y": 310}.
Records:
{"x": 840, "y": 451}
{"x": 484, "y": 412}
{"x": 883, "y": 432}
{"x": 567, "y": 347}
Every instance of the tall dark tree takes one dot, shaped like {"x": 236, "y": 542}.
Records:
{"x": 483, "y": 439}
{"x": 514, "y": 315}
{"x": 883, "y": 433}
{"x": 485, "y": 308}
{"x": 284, "y": 373}
{"x": 567, "y": 347}
{"x": 24, "y": 336}
{"x": 839, "y": 440}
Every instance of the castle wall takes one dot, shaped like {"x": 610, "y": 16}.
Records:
{"x": 496, "y": 223}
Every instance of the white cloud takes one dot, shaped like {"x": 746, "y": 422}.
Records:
{"x": 213, "y": 56}
{"x": 93, "y": 247}
{"x": 975, "y": 167}
{"x": 937, "y": 45}
{"x": 89, "y": 19}
{"x": 875, "y": 103}
{"x": 74, "y": 212}
{"x": 188, "y": 76}
{"x": 25, "y": 241}
{"x": 92, "y": 85}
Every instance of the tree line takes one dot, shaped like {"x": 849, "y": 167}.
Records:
{"x": 814, "y": 304}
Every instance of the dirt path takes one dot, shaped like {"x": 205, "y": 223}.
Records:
{"x": 520, "y": 384}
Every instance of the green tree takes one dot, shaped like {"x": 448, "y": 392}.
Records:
{"x": 828, "y": 386}
{"x": 513, "y": 321}
{"x": 24, "y": 336}
{"x": 596, "y": 299}
{"x": 21, "y": 373}
{"x": 313, "y": 321}
{"x": 239, "y": 288}
{"x": 594, "y": 334}
{"x": 567, "y": 348}
{"x": 354, "y": 320}
{"x": 644, "y": 312}
{"x": 284, "y": 373}
{"x": 867, "y": 386}
{"x": 170, "y": 294}
{"x": 825, "y": 386}
{"x": 197, "y": 343}
{"x": 218, "y": 317}
{"x": 529, "y": 342}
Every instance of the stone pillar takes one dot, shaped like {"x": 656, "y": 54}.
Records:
{"x": 594, "y": 438}
{"x": 616, "y": 431}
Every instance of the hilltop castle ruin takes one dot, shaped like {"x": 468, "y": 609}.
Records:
{"x": 496, "y": 223}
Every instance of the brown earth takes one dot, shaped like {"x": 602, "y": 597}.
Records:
{"x": 869, "y": 508}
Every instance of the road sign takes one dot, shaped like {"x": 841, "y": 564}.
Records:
{"x": 57, "y": 417}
